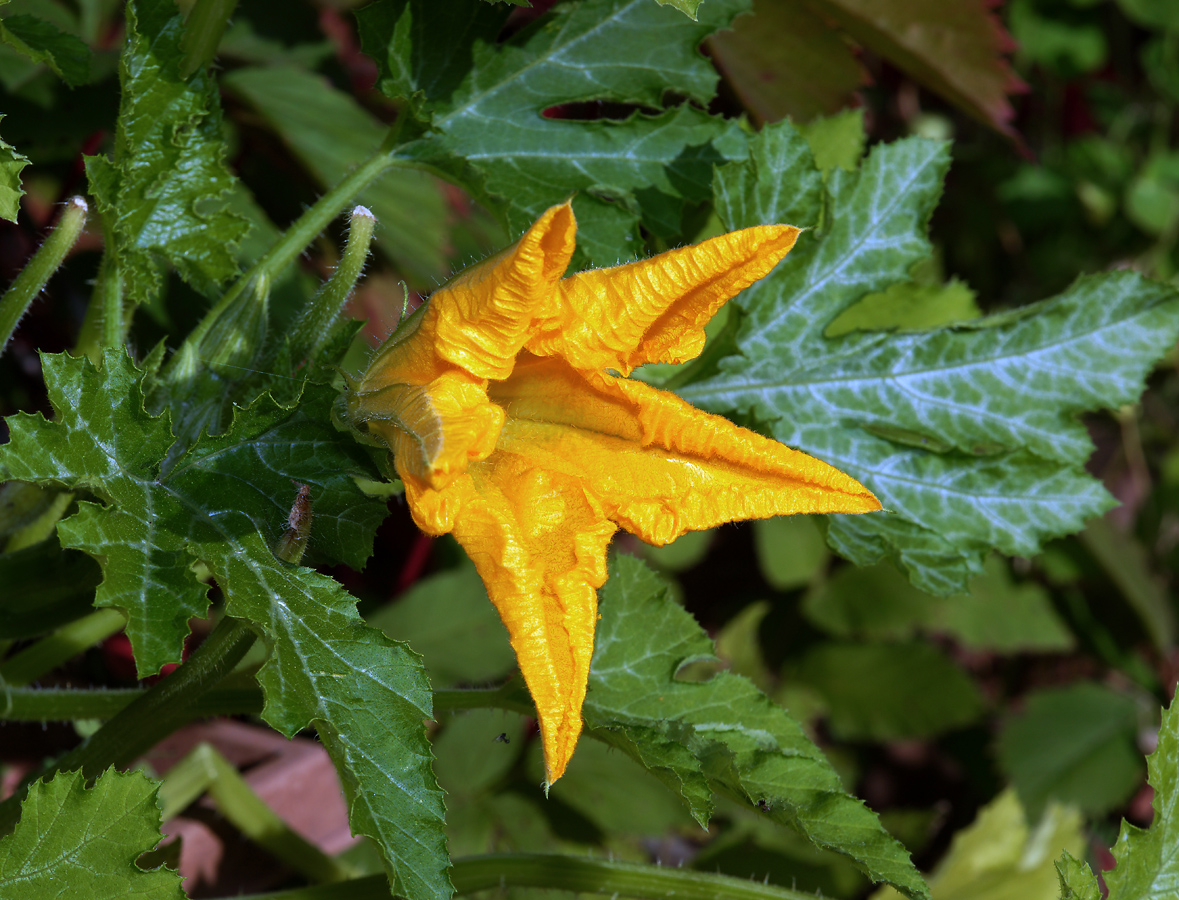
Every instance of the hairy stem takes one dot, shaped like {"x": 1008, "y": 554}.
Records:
{"x": 288, "y": 247}
{"x": 151, "y": 716}
{"x": 23, "y": 704}
{"x": 580, "y": 875}
{"x": 40, "y": 268}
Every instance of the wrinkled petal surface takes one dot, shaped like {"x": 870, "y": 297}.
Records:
{"x": 510, "y": 430}
{"x": 655, "y": 310}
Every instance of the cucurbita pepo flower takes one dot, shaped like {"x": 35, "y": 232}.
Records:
{"x": 505, "y": 405}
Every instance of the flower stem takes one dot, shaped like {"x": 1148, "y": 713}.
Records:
{"x": 40, "y": 268}
{"x": 567, "y": 873}
{"x": 288, "y": 247}
{"x": 203, "y": 28}
{"x": 151, "y": 716}
{"x": 312, "y": 329}
{"x": 64, "y": 644}
{"x": 25, "y": 704}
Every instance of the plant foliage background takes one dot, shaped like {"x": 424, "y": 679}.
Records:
{"x": 979, "y": 324}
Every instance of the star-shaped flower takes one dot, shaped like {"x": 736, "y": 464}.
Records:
{"x": 505, "y": 404}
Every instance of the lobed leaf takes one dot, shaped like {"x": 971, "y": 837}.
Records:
{"x": 165, "y": 196}
{"x": 77, "y": 841}
{"x": 490, "y": 113}
{"x": 1148, "y": 867}
{"x": 723, "y": 733}
{"x": 224, "y": 502}
{"x": 969, "y": 435}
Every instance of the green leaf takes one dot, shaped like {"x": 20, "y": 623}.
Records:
{"x": 446, "y": 611}
{"x": 43, "y": 42}
{"x": 787, "y": 61}
{"x": 909, "y": 306}
{"x": 165, "y": 196}
{"x": 723, "y": 731}
{"x": 878, "y": 603}
{"x": 999, "y": 857}
{"x": 1152, "y": 13}
{"x": 331, "y": 133}
{"x": 1001, "y": 615}
{"x": 1077, "y": 881}
{"x": 954, "y": 49}
{"x": 477, "y": 748}
{"x": 688, "y": 7}
{"x": 790, "y": 550}
{"x": 968, "y": 435}
{"x": 483, "y": 106}
{"x": 225, "y": 502}
{"x": 883, "y": 692}
{"x": 615, "y": 793}
{"x": 1147, "y": 865}
{"x": 1127, "y": 564}
{"x": 1075, "y": 745}
{"x": 837, "y": 141}
{"x": 1064, "y": 46}
{"x": 11, "y": 165}
{"x": 77, "y": 841}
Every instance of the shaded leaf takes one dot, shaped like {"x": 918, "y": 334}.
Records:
{"x": 968, "y": 435}
{"x": 785, "y": 60}
{"x": 445, "y": 611}
{"x": 43, "y": 42}
{"x": 224, "y": 502}
{"x": 878, "y": 603}
{"x": 165, "y": 194}
{"x": 77, "y": 841}
{"x": 1127, "y": 564}
{"x": 723, "y": 731}
{"x": 490, "y": 118}
{"x": 956, "y": 50}
{"x": 790, "y": 550}
{"x": 886, "y": 692}
{"x": 1000, "y": 857}
{"x": 1074, "y": 745}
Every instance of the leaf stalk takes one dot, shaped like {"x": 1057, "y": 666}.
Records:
{"x": 581, "y": 875}
{"x": 33, "y": 277}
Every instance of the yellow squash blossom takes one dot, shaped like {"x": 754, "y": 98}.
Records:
{"x": 505, "y": 404}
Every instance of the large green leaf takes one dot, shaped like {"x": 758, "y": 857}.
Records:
{"x": 722, "y": 734}
{"x": 77, "y": 841}
{"x": 224, "y": 502}
{"x": 331, "y": 133}
{"x": 970, "y": 435}
{"x": 483, "y": 107}
{"x": 165, "y": 195}
{"x": 1147, "y": 864}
